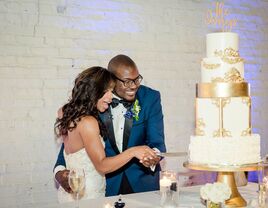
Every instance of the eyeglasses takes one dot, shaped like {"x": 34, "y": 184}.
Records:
{"x": 129, "y": 82}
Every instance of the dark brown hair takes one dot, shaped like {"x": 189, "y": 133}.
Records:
{"x": 90, "y": 85}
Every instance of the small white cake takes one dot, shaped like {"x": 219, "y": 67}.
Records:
{"x": 222, "y": 59}
{"x": 219, "y": 41}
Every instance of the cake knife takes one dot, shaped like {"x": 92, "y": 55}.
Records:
{"x": 171, "y": 154}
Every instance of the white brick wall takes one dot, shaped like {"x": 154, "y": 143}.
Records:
{"x": 41, "y": 52}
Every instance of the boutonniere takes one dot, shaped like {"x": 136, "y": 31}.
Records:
{"x": 134, "y": 111}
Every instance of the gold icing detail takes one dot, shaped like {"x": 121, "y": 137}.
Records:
{"x": 221, "y": 102}
{"x": 222, "y": 89}
{"x": 210, "y": 66}
{"x": 222, "y": 133}
{"x": 229, "y": 55}
{"x": 246, "y": 100}
{"x": 230, "y": 52}
{"x": 217, "y": 79}
{"x": 246, "y": 132}
{"x": 232, "y": 61}
{"x": 225, "y": 101}
{"x": 216, "y": 101}
{"x": 199, "y": 125}
{"x": 231, "y": 76}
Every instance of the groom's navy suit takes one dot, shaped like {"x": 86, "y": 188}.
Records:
{"x": 147, "y": 130}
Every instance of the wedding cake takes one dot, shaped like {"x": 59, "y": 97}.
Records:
{"x": 223, "y": 107}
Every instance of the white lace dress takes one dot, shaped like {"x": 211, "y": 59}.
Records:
{"x": 95, "y": 183}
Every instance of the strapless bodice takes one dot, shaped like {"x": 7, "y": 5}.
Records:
{"x": 95, "y": 182}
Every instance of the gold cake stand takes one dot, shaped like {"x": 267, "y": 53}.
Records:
{"x": 226, "y": 175}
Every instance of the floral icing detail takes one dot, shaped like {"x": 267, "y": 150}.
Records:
{"x": 231, "y": 76}
{"x": 200, "y": 124}
{"x": 210, "y": 66}
{"x": 229, "y": 55}
{"x": 134, "y": 111}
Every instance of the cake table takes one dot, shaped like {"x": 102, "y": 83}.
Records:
{"x": 226, "y": 175}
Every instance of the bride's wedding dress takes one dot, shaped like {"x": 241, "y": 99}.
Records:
{"x": 95, "y": 183}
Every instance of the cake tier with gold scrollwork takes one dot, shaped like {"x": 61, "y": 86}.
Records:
{"x": 223, "y": 140}
{"x": 223, "y": 132}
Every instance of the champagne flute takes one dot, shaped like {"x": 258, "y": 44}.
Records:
{"x": 76, "y": 179}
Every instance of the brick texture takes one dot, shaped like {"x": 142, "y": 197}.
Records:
{"x": 44, "y": 44}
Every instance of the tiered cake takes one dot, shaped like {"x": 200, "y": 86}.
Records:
{"x": 223, "y": 107}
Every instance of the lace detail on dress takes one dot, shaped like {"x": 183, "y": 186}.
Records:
{"x": 95, "y": 183}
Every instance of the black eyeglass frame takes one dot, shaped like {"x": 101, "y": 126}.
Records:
{"x": 129, "y": 82}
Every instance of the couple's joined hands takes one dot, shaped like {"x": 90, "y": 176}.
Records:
{"x": 145, "y": 154}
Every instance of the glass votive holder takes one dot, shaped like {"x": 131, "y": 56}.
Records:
{"x": 210, "y": 204}
{"x": 263, "y": 184}
{"x": 169, "y": 189}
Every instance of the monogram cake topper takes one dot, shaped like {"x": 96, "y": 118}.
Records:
{"x": 220, "y": 17}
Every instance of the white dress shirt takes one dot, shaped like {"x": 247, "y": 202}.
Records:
{"x": 118, "y": 113}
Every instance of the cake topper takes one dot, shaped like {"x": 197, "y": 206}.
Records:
{"x": 220, "y": 17}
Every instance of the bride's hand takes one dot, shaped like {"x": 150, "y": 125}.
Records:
{"x": 143, "y": 153}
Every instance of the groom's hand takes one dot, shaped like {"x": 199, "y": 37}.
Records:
{"x": 62, "y": 179}
{"x": 149, "y": 162}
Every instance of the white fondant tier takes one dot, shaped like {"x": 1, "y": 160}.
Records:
{"x": 225, "y": 150}
{"x": 223, "y": 107}
{"x": 221, "y": 41}
{"x": 223, "y": 116}
{"x": 216, "y": 69}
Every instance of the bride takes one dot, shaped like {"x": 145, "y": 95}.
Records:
{"x": 82, "y": 132}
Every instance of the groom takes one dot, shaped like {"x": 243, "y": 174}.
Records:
{"x": 134, "y": 118}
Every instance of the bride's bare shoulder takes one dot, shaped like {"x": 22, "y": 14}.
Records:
{"x": 88, "y": 123}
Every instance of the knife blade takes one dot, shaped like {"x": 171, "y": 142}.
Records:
{"x": 171, "y": 154}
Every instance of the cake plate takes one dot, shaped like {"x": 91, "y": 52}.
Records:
{"x": 226, "y": 175}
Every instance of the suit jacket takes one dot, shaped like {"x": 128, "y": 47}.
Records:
{"x": 147, "y": 130}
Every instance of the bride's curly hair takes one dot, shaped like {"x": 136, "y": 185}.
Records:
{"x": 89, "y": 86}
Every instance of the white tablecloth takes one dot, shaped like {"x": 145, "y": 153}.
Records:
{"x": 189, "y": 198}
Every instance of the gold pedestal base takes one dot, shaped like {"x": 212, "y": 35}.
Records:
{"x": 226, "y": 175}
{"x": 236, "y": 200}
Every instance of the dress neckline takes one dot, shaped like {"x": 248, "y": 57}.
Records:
{"x": 83, "y": 148}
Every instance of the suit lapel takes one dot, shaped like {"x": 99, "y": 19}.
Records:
{"x": 127, "y": 130}
{"x": 108, "y": 122}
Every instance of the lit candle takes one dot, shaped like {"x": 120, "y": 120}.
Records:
{"x": 265, "y": 179}
{"x": 165, "y": 182}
